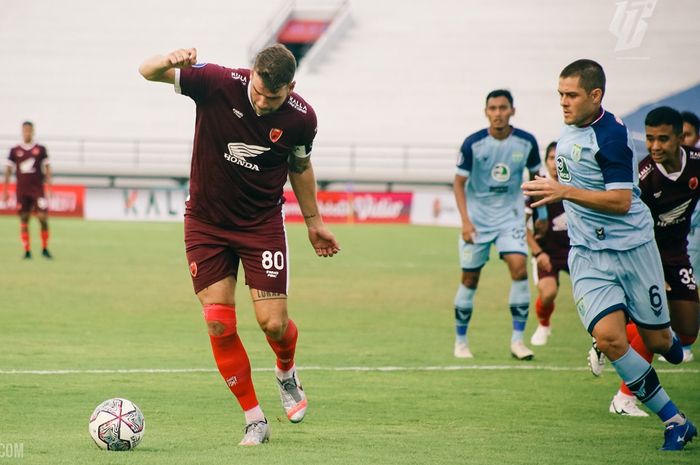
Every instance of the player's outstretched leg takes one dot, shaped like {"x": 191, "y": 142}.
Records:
{"x": 24, "y": 236}
{"x": 544, "y": 328}
{"x": 519, "y": 301}
{"x": 642, "y": 380}
{"x": 234, "y": 366}
{"x": 624, "y": 402}
{"x": 45, "y": 239}
{"x": 464, "y": 302}
{"x": 291, "y": 392}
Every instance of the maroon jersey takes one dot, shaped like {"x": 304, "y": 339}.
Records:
{"x": 671, "y": 200}
{"x": 239, "y": 159}
{"x": 556, "y": 240}
{"x": 29, "y": 161}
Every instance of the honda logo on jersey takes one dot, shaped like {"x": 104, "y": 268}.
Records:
{"x": 275, "y": 134}
{"x": 240, "y": 153}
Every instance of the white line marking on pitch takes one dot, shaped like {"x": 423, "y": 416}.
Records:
{"x": 337, "y": 369}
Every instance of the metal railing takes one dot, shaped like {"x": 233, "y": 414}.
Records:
{"x": 170, "y": 159}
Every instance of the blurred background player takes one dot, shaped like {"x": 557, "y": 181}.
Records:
{"x": 668, "y": 180}
{"x": 491, "y": 205}
{"x": 30, "y": 163}
{"x": 251, "y": 132}
{"x": 615, "y": 265}
{"x": 691, "y": 138}
{"x": 550, "y": 251}
{"x": 670, "y": 183}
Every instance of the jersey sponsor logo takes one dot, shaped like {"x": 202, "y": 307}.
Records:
{"x": 500, "y": 172}
{"x": 240, "y": 153}
{"x": 645, "y": 172}
{"x": 297, "y": 105}
{"x": 275, "y": 134}
{"x": 517, "y": 156}
{"x": 27, "y": 166}
{"x": 237, "y": 112}
{"x": 675, "y": 215}
{"x": 239, "y": 77}
{"x": 563, "y": 170}
{"x": 693, "y": 183}
{"x": 559, "y": 223}
{"x": 576, "y": 153}
{"x": 498, "y": 189}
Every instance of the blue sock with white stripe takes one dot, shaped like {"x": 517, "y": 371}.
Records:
{"x": 464, "y": 303}
{"x": 519, "y": 301}
{"x": 641, "y": 379}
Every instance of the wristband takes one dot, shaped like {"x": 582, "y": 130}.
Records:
{"x": 538, "y": 253}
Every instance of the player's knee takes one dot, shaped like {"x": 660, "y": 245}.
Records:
{"x": 659, "y": 342}
{"x": 470, "y": 281}
{"x": 613, "y": 346}
{"x": 273, "y": 327}
{"x": 221, "y": 320}
{"x": 519, "y": 274}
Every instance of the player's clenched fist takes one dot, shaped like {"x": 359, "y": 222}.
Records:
{"x": 182, "y": 58}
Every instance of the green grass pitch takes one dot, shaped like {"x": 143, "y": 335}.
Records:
{"x": 118, "y": 297}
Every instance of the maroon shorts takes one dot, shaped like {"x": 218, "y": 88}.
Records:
{"x": 557, "y": 266}
{"x": 682, "y": 282}
{"x": 213, "y": 253}
{"x": 28, "y": 204}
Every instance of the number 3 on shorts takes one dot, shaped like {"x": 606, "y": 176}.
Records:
{"x": 270, "y": 260}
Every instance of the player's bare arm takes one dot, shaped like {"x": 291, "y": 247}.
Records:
{"x": 5, "y": 193}
{"x": 468, "y": 230}
{"x": 616, "y": 201}
{"x": 540, "y": 225}
{"x": 303, "y": 180}
{"x": 47, "y": 180}
{"x": 161, "y": 68}
{"x": 542, "y": 257}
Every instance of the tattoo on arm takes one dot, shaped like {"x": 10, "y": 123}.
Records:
{"x": 298, "y": 165}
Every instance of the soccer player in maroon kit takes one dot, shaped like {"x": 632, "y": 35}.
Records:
{"x": 669, "y": 178}
{"x": 30, "y": 162}
{"x": 550, "y": 251}
{"x": 251, "y": 132}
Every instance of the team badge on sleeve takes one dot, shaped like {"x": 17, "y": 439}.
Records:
{"x": 275, "y": 134}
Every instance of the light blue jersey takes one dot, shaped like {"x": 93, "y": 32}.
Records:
{"x": 599, "y": 157}
{"x": 494, "y": 171}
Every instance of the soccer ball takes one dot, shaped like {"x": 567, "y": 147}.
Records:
{"x": 117, "y": 424}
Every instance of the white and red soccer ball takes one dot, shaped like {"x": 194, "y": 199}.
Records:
{"x": 117, "y": 424}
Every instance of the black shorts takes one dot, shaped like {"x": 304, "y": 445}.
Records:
{"x": 29, "y": 204}
{"x": 681, "y": 279}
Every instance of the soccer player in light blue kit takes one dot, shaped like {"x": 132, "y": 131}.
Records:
{"x": 492, "y": 208}
{"x": 615, "y": 265}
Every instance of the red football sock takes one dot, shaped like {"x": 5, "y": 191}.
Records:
{"x": 24, "y": 235}
{"x": 687, "y": 340}
{"x": 543, "y": 311}
{"x": 44, "y": 238}
{"x": 637, "y": 344}
{"x": 285, "y": 347}
{"x": 230, "y": 356}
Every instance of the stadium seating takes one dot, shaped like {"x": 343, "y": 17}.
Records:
{"x": 395, "y": 95}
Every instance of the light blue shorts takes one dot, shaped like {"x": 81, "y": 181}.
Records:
{"x": 605, "y": 281}
{"x": 511, "y": 239}
{"x": 694, "y": 248}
